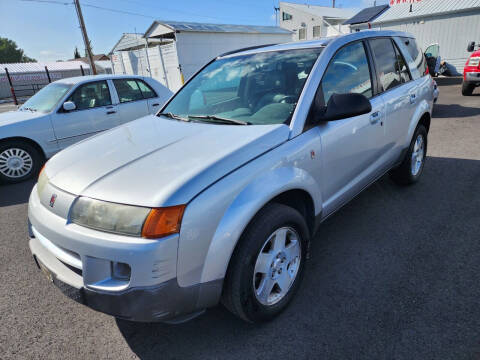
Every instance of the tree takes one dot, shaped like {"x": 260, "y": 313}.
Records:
{"x": 76, "y": 54}
{"x": 10, "y": 53}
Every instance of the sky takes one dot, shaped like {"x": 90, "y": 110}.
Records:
{"x": 48, "y": 30}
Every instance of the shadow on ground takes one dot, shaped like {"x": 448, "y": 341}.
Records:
{"x": 394, "y": 274}
{"x": 16, "y": 193}
{"x": 454, "y": 111}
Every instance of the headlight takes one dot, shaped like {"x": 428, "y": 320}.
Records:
{"x": 127, "y": 219}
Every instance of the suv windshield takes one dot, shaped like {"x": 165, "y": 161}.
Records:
{"x": 45, "y": 100}
{"x": 256, "y": 89}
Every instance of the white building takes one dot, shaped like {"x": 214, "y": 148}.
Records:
{"x": 450, "y": 23}
{"x": 310, "y": 22}
{"x": 171, "y": 51}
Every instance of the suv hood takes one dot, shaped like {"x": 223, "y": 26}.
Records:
{"x": 158, "y": 162}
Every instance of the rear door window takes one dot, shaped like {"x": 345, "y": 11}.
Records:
{"x": 416, "y": 54}
{"x": 402, "y": 66}
{"x": 386, "y": 63}
{"x": 128, "y": 90}
{"x": 146, "y": 90}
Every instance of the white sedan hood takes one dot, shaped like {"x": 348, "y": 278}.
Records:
{"x": 158, "y": 162}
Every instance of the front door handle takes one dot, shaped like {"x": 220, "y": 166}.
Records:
{"x": 375, "y": 117}
{"x": 413, "y": 98}
{"x": 111, "y": 112}
{"x": 155, "y": 104}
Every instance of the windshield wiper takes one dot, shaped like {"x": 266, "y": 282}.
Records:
{"x": 219, "y": 119}
{"x": 173, "y": 116}
{"x": 30, "y": 109}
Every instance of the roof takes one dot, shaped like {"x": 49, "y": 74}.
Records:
{"x": 80, "y": 79}
{"x": 367, "y": 15}
{"x": 324, "y": 11}
{"x": 178, "y": 26}
{"x": 32, "y": 67}
{"x": 426, "y": 8}
{"x": 322, "y": 42}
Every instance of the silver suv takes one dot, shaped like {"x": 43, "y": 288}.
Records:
{"x": 217, "y": 197}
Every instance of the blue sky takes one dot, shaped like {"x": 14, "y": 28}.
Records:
{"x": 48, "y": 30}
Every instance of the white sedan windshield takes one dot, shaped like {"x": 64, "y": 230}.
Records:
{"x": 45, "y": 100}
{"x": 261, "y": 88}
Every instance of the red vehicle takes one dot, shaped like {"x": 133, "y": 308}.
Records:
{"x": 471, "y": 72}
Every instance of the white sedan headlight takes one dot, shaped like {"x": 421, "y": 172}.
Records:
{"x": 127, "y": 219}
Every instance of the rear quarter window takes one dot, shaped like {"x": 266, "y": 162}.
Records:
{"x": 417, "y": 55}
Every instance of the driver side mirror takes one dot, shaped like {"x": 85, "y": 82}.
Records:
{"x": 342, "y": 106}
{"x": 69, "y": 106}
{"x": 471, "y": 46}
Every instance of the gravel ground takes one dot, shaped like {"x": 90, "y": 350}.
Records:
{"x": 393, "y": 275}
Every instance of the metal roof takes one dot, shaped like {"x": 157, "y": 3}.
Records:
{"x": 32, "y": 67}
{"x": 367, "y": 15}
{"x": 324, "y": 11}
{"x": 221, "y": 28}
{"x": 426, "y": 8}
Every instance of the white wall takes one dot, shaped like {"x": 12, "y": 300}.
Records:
{"x": 196, "y": 49}
{"x": 299, "y": 17}
{"x": 452, "y": 32}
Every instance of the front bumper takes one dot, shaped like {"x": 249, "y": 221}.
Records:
{"x": 79, "y": 261}
{"x": 164, "y": 302}
{"x": 473, "y": 77}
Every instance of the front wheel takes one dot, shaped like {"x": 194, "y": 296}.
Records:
{"x": 467, "y": 89}
{"x": 19, "y": 161}
{"x": 267, "y": 266}
{"x": 411, "y": 168}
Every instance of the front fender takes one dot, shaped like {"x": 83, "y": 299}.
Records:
{"x": 244, "y": 207}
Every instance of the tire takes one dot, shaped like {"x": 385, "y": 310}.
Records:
{"x": 19, "y": 161}
{"x": 242, "y": 293}
{"x": 409, "y": 172}
{"x": 467, "y": 89}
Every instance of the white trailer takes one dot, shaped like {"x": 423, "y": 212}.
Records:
{"x": 171, "y": 51}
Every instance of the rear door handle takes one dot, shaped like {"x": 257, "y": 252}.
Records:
{"x": 155, "y": 104}
{"x": 111, "y": 112}
{"x": 375, "y": 117}
{"x": 413, "y": 98}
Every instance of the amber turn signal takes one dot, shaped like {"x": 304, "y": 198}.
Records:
{"x": 163, "y": 221}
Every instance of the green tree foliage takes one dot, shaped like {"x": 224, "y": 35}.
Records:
{"x": 76, "y": 53}
{"x": 10, "y": 53}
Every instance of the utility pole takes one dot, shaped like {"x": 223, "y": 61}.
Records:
{"x": 333, "y": 3}
{"x": 85, "y": 37}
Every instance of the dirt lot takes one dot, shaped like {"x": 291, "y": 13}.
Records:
{"x": 394, "y": 274}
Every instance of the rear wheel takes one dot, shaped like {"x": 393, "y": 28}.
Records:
{"x": 467, "y": 89}
{"x": 267, "y": 266}
{"x": 19, "y": 161}
{"x": 411, "y": 168}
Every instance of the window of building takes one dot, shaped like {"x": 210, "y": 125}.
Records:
{"x": 348, "y": 72}
{"x": 302, "y": 34}
{"x": 385, "y": 61}
{"x": 316, "y": 31}
{"x": 286, "y": 16}
{"x": 91, "y": 95}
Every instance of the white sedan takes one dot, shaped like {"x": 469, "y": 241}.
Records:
{"x": 67, "y": 111}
